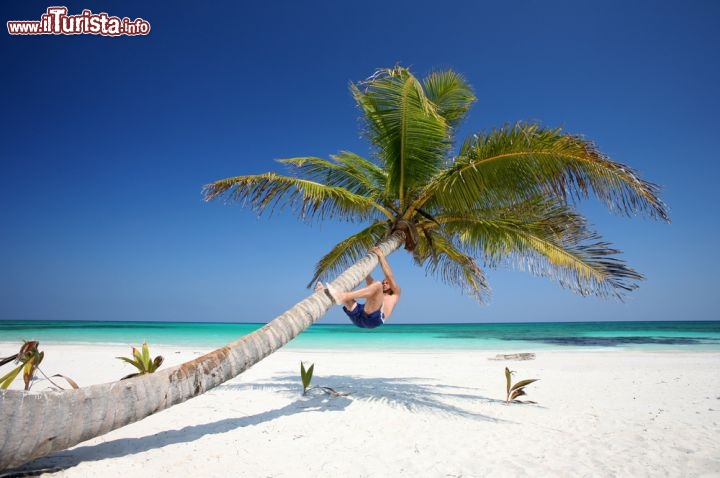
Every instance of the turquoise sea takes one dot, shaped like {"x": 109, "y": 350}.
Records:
{"x": 678, "y": 335}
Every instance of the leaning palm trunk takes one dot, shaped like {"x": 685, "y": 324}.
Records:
{"x": 37, "y": 424}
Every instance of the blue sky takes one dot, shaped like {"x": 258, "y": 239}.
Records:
{"x": 107, "y": 142}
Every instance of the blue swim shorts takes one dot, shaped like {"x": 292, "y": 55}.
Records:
{"x": 363, "y": 320}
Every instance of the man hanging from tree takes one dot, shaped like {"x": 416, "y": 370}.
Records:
{"x": 380, "y": 297}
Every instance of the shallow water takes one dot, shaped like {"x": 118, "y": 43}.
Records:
{"x": 682, "y": 335}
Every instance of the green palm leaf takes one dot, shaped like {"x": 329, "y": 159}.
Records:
{"x": 365, "y": 171}
{"x": 345, "y": 170}
{"x": 548, "y": 239}
{"x": 309, "y": 199}
{"x": 446, "y": 261}
{"x": 8, "y": 378}
{"x": 451, "y": 94}
{"x": 515, "y": 163}
{"x": 134, "y": 362}
{"x": 403, "y": 124}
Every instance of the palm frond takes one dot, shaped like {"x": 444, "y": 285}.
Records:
{"x": 452, "y": 95}
{"x": 445, "y": 260}
{"x": 363, "y": 170}
{"x": 410, "y": 136}
{"x": 309, "y": 199}
{"x": 548, "y": 239}
{"x": 344, "y": 170}
{"x": 515, "y": 163}
{"x": 349, "y": 251}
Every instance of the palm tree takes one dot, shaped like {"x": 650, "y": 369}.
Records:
{"x": 506, "y": 196}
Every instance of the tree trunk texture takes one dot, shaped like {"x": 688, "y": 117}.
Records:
{"x": 34, "y": 425}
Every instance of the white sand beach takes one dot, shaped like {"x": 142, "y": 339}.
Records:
{"x": 415, "y": 413}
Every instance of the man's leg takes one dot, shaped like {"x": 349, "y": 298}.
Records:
{"x": 349, "y": 303}
{"x": 373, "y": 295}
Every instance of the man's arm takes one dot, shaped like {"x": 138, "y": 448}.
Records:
{"x": 386, "y": 270}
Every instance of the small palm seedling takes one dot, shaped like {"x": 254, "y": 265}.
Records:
{"x": 306, "y": 376}
{"x": 517, "y": 390}
{"x": 29, "y": 358}
{"x": 141, "y": 360}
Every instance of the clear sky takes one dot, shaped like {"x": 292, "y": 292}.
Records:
{"x": 106, "y": 143}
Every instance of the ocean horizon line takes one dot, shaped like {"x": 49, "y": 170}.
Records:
{"x": 539, "y": 322}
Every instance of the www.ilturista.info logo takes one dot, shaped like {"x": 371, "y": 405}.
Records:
{"x": 57, "y": 22}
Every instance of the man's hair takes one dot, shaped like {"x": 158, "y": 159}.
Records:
{"x": 390, "y": 290}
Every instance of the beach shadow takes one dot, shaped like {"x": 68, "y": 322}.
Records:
{"x": 413, "y": 394}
